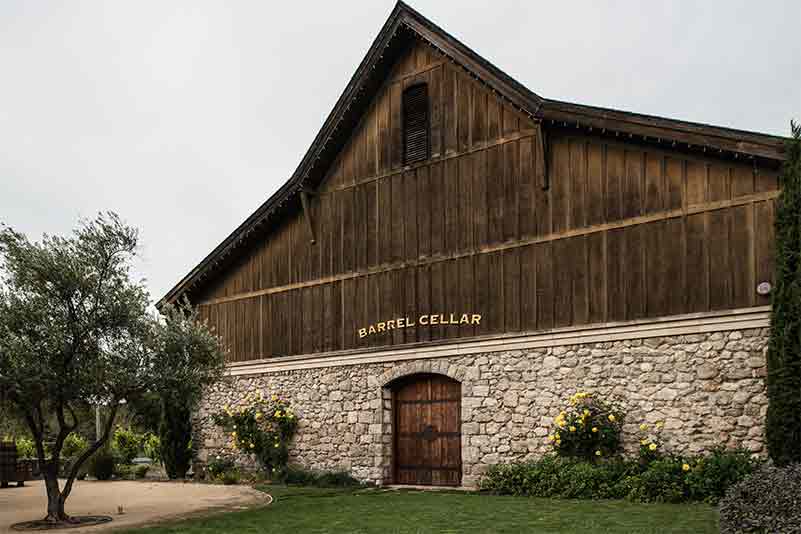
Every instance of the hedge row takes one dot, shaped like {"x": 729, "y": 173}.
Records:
{"x": 669, "y": 479}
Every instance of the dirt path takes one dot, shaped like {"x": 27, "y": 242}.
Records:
{"x": 143, "y": 502}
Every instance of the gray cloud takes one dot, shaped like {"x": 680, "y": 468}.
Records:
{"x": 184, "y": 116}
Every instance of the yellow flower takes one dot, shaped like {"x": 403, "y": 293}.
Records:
{"x": 278, "y": 413}
{"x": 685, "y": 467}
{"x": 252, "y": 446}
{"x": 572, "y": 429}
{"x": 611, "y": 418}
{"x": 652, "y": 446}
{"x": 551, "y": 437}
{"x": 233, "y": 434}
{"x": 275, "y": 397}
{"x": 597, "y": 453}
{"x": 561, "y": 424}
{"x": 276, "y": 445}
{"x": 643, "y": 427}
{"x": 258, "y": 416}
{"x": 644, "y": 442}
{"x": 659, "y": 425}
{"x": 586, "y": 413}
{"x": 595, "y": 429}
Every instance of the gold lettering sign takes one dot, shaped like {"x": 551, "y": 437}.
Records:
{"x": 425, "y": 319}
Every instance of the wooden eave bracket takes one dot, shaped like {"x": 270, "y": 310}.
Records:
{"x": 542, "y": 159}
{"x": 304, "y": 200}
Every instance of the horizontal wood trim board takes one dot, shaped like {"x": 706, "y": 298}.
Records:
{"x": 644, "y": 219}
{"x": 434, "y": 434}
{"x": 429, "y": 467}
{"x": 427, "y": 401}
{"x": 416, "y": 72}
{"x": 740, "y": 319}
{"x": 510, "y": 138}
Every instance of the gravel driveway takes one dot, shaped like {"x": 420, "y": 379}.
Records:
{"x": 143, "y": 502}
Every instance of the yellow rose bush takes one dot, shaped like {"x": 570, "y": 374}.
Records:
{"x": 651, "y": 444}
{"x": 262, "y": 426}
{"x": 586, "y": 462}
{"x": 588, "y": 427}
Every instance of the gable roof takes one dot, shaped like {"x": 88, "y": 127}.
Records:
{"x": 406, "y": 24}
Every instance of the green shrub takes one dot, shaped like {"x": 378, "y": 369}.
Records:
{"x": 336, "y": 479}
{"x": 218, "y": 466}
{"x": 669, "y": 479}
{"x": 588, "y": 428}
{"x": 709, "y": 477}
{"x": 26, "y": 448}
{"x": 74, "y": 446}
{"x": 230, "y": 478}
{"x": 783, "y": 420}
{"x": 101, "y": 464}
{"x": 552, "y": 476}
{"x": 141, "y": 471}
{"x": 661, "y": 481}
{"x": 324, "y": 479}
{"x": 299, "y": 476}
{"x": 151, "y": 446}
{"x": 127, "y": 443}
{"x": 124, "y": 472}
{"x": 766, "y": 501}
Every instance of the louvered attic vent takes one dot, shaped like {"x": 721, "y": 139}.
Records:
{"x": 415, "y": 124}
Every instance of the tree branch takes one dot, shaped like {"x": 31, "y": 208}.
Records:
{"x": 90, "y": 451}
{"x": 37, "y": 436}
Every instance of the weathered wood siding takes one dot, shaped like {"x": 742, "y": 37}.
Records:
{"x": 622, "y": 232}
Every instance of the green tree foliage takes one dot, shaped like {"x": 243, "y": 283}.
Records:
{"x": 127, "y": 443}
{"x": 72, "y": 322}
{"x": 784, "y": 354}
{"x": 145, "y": 412}
{"x": 175, "y": 432}
{"x": 189, "y": 357}
{"x": 75, "y": 332}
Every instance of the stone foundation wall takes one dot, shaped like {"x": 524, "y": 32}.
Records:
{"x": 707, "y": 388}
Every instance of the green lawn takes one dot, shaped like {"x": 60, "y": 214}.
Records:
{"x": 311, "y": 510}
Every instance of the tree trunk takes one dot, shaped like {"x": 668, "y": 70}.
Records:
{"x": 55, "y": 500}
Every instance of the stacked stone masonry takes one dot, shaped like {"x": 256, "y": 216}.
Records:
{"x": 708, "y": 389}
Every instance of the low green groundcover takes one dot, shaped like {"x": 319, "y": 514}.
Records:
{"x": 670, "y": 479}
{"x": 323, "y": 511}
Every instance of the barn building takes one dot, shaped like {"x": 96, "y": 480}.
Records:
{"x": 455, "y": 255}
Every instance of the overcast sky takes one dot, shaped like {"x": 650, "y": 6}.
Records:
{"x": 184, "y": 117}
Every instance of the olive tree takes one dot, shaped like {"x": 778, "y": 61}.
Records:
{"x": 74, "y": 331}
{"x": 188, "y": 357}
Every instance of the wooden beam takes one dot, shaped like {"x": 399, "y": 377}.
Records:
{"x": 542, "y": 159}
{"x": 304, "y": 199}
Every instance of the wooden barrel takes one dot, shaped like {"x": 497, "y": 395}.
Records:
{"x": 8, "y": 462}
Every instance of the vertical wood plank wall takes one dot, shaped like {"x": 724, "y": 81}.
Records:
{"x": 623, "y": 232}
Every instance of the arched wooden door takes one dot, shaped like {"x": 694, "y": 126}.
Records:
{"x": 427, "y": 431}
